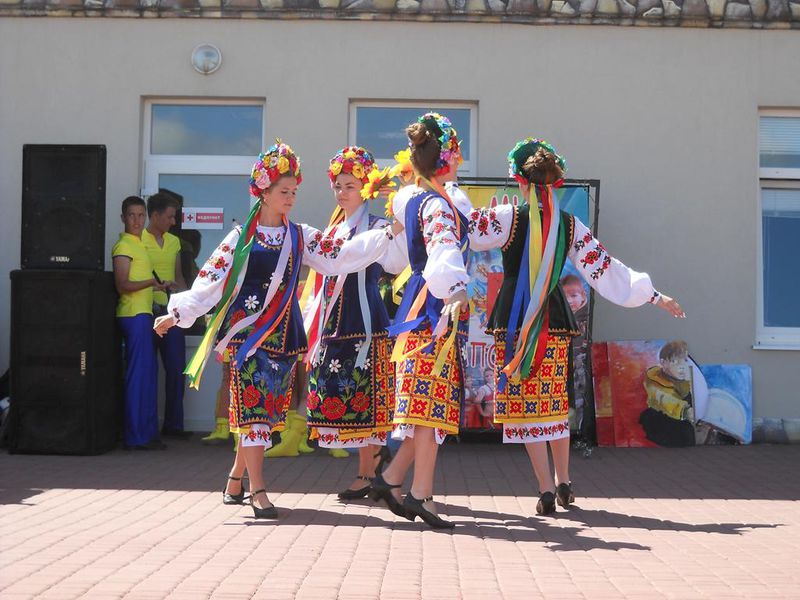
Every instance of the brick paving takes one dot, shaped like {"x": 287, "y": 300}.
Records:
{"x": 712, "y": 522}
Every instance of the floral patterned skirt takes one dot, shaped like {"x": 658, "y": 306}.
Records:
{"x": 426, "y": 398}
{"x": 260, "y": 392}
{"x": 536, "y": 408}
{"x": 356, "y": 402}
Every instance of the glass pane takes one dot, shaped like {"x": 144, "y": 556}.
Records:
{"x": 227, "y": 192}
{"x": 381, "y": 130}
{"x": 781, "y": 222}
{"x": 206, "y": 129}
{"x": 779, "y": 142}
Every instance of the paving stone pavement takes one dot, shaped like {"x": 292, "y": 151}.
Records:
{"x": 710, "y": 522}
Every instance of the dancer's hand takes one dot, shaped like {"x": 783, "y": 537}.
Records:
{"x": 454, "y": 304}
{"x": 162, "y": 324}
{"x": 397, "y": 227}
{"x": 671, "y": 306}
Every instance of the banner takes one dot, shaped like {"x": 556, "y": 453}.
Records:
{"x": 486, "y": 275}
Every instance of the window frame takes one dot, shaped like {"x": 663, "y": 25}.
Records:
{"x": 772, "y": 338}
{"x": 192, "y": 164}
{"x": 469, "y": 168}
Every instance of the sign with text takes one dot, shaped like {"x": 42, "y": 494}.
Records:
{"x": 202, "y": 218}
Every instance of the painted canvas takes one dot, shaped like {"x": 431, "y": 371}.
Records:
{"x": 729, "y": 407}
{"x": 647, "y": 393}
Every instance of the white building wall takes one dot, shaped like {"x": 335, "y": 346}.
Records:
{"x": 666, "y": 118}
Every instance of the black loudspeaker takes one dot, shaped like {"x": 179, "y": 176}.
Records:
{"x": 63, "y": 206}
{"x": 66, "y": 363}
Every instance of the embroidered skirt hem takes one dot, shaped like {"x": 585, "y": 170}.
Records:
{"x": 525, "y": 433}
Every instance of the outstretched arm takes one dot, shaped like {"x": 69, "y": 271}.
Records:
{"x": 206, "y": 290}
{"x": 331, "y": 255}
{"x": 613, "y": 280}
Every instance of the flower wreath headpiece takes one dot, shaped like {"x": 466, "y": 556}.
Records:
{"x": 280, "y": 160}
{"x": 525, "y": 149}
{"x": 353, "y": 160}
{"x": 441, "y": 127}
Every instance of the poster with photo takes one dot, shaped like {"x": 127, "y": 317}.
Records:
{"x": 486, "y": 275}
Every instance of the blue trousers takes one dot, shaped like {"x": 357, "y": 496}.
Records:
{"x": 141, "y": 380}
{"x": 172, "y": 348}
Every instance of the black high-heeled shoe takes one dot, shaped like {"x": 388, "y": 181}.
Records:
{"x": 349, "y": 494}
{"x": 546, "y": 504}
{"x": 269, "y": 512}
{"x": 414, "y": 507}
{"x": 233, "y": 498}
{"x": 564, "y": 494}
{"x": 380, "y": 490}
{"x": 386, "y": 458}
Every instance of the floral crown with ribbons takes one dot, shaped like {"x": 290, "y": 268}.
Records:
{"x": 526, "y": 148}
{"x": 279, "y": 161}
{"x": 352, "y": 160}
{"x": 447, "y": 137}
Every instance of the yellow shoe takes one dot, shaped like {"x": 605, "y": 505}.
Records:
{"x": 290, "y": 439}
{"x": 299, "y": 422}
{"x": 338, "y": 453}
{"x": 220, "y": 434}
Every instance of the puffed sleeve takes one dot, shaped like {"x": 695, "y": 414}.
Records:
{"x": 207, "y": 287}
{"x": 460, "y": 199}
{"x": 444, "y": 271}
{"x": 613, "y": 280}
{"x": 400, "y": 201}
{"x": 395, "y": 259}
{"x": 491, "y": 227}
{"x": 331, "y": 255}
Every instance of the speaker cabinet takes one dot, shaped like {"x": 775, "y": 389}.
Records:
{"x": 66, "y": 363}
{"x": 63, "y": 207}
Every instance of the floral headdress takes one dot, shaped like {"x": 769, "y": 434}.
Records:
{"x": 447, "y": 137}
{"x": 353, "y": 160}
{"x": 526, "y": 148}
{"x": 279, "y": 161}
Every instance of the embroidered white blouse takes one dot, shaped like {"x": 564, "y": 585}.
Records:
{"x": 328, "y": 255}
{"x": 492, "y": 228}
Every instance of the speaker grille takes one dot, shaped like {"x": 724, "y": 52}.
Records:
{"x": 63, "y": 206}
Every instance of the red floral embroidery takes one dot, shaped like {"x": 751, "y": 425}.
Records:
{"x": 312, "y": 400}
{"x": 360, "y": 402}
{"x": 333, "y": 408}
{"x": 269, "y": 405}
{"x": 202, "y": 273}
{"x": 220, "y": 263}
{"x": 238, "y": 316}
{"x": 251, "y": 396}
{"x": 590, "y": 258}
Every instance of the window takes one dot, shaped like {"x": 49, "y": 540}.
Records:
{"x": 380, "y": 127}
{"x": 202, "y": 151}
{"x": 778, "y": 320}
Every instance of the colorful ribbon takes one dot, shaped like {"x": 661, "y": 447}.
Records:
{"x": 545, "y": 247}
{"x": 233, "y": 282}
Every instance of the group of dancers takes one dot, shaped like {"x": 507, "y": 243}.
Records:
{"x": 368, "y": 377}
